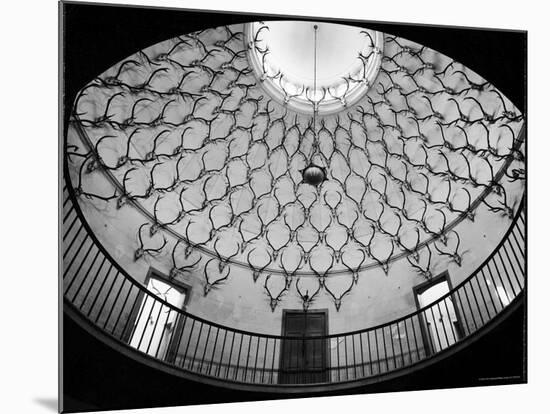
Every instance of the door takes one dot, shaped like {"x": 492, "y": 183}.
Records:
{"x": 304, "y": 360}
{"x": 440, "y": 319}
{"x": 155, "y": 323}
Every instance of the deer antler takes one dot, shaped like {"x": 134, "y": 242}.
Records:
{"x": 423, "y": 271}
{"x": 307, "y": 300}
{"x": 141, "y": 250}
{"x": 274, "y": 300}
{"x": 385, "y": 264}
{"x": 180, "y": 269}
{"x": 322, "y": 275}
{"x": 209, "y": 285}
{"x": 223, "y": 261}
{"x": 455, "y": 256}
{"x": 338, "y": 299}
{"x": 355, "y": 270}
{"x": 256, "y": 271}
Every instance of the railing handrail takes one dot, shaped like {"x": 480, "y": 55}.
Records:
{"x": 143, "y": 289}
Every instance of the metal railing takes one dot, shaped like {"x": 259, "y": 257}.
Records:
{"x": 102, "y": 291}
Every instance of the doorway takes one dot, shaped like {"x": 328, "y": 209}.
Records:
{"x": 304, "y": 360}
{"x": 440, "y": 324}
{"x": 157, "y": 326}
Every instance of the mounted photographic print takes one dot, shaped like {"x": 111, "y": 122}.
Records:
{"x": 261, "y": 207}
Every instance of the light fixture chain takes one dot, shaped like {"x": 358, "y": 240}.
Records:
{"x": 315, "y": 103}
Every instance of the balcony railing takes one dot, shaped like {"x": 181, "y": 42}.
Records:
{"x": 100, "y": 290}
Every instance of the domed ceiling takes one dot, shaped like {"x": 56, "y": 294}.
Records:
{"x": 209, "y": 136}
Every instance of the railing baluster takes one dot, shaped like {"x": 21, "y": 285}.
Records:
{"x": 92, "y": 283}
{"x": 371, "y": 364}
{"x": 469, "y": 305}
{"x": 429, "y": 347}
{"x": 161, "y": 334}
{"x": 273, "y": 359}
{"x": 66, "y": 197}
{"x": 146, "y": 322}
{"x": 247, "y": 357}
{"x": 362, "y": 353}
{"x": 482, "y": 296}
{"x": 66, "y": 215}
{"x": 392, "y": 347}
{"x": 85, "y": 278}
{"x": 75, "y": 275}
{"x": 239, "y": 357}
{"x": 510, "y": 260}
{"x": 136, "y": 300}
{"x": 450, "y": 323}
{"x": 222, "y": 353}
{"x": 377, "y": 351}
{"x": 256, "y": 359}
{"x": 400, "y": 344}
{"x": 346, "y": 356}
{"x": 68, "y": 231}
{"x": 188, "y": 343}
{"x": 385, "y": 349}
{"x": 519, "y": 262}
{"x": 265, "y": 359}
{"x": 507, "y": 276}
{"x": 354, "y": 358}
{"x": 213, "y": 350}
{"x": 180, "y": 336}
{"x": 205, "y": 347}
{"x": 338, "y": 356}
{"x": 435, "y": 327}
{"x": 518, "y": 244}
{"x": 197, "y": 345}
{"x": 75, "y": 237}
{"x": 495, "y": 287}
{"x": 415, "y": 340}
{"x": 230, "y": 355}
{"x": 98, "y": 293}
{"x": 115, "y": 300}
{"x": 477, "y": 304}
{"x": 121, "y": 312}
{"x": 464, "y": 321}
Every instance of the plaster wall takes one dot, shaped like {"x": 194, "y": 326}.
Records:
{"x": 243, "y": 303}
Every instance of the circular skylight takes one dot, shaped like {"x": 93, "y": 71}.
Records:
{"x": 285, "y": 55}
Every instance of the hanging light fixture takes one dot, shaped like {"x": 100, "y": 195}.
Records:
{"x": 315, "y": 172}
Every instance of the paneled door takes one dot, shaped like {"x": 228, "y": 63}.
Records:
{"x": 304, "y": 360}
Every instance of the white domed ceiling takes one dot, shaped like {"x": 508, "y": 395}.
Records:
{"x": 211, "y": 147}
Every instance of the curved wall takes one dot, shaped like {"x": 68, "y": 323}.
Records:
{"x": 239, "y": 301}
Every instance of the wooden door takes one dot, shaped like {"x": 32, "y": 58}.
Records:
{"x": 304, "y": 360}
